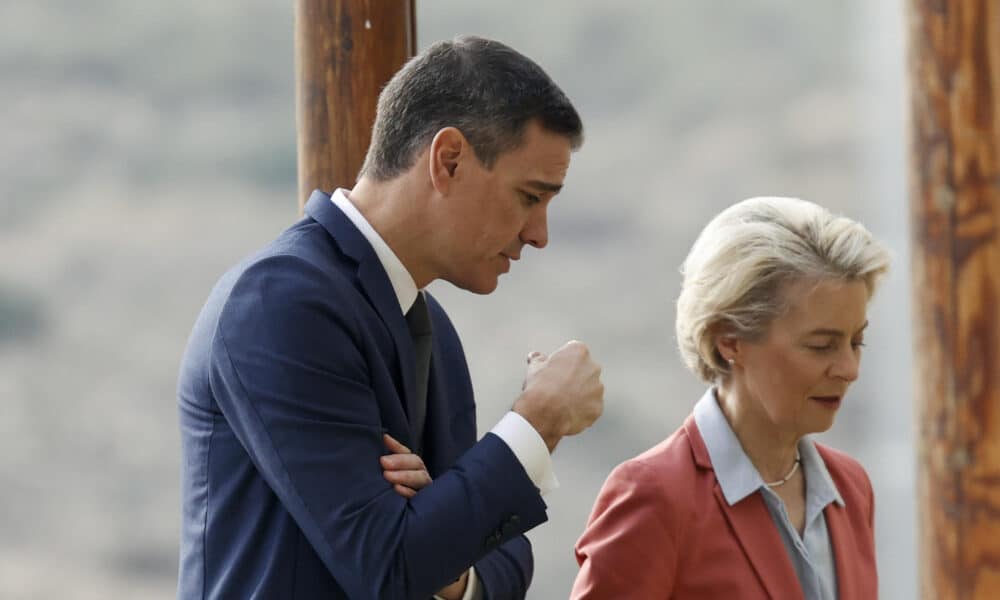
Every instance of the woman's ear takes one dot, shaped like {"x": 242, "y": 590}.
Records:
{"x": 447, "y": 150}
{"x": 728, "y": 347}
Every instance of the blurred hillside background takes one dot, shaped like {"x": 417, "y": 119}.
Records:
{"x": 147, "y": 146}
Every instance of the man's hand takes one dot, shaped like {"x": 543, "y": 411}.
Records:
{"x": 407, "y": 474}
{"x": 403, "y": 469}
{"x": 562, "y": 394}
{"x": 456, "y": 590}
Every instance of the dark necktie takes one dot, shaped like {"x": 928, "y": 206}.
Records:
{"x": 419, "y": 321}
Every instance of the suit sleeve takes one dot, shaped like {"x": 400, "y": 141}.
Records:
{"x": 629, "y": 548}
{"x": 506, "y": 573}
{"x": 291, "y": 376}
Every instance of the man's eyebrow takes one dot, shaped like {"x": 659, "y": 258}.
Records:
{"x": 545, "y": 186}
{"x": 834, "y": 332}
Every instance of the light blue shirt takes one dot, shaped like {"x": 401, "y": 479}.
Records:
{"x": 811, "y": 553}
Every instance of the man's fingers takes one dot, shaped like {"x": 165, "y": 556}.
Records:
{"x": 536, "y": 360}
{"x": 403, "y": 469}
{"x": 393, "y": 445}
{"x": 573, "y": 347}
{"x": 404, "y": 491}
{"x": 412, "y": 479}
{"x": 402, "y": 462}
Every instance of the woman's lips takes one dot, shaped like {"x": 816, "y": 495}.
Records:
{"x": 829, "y": 401}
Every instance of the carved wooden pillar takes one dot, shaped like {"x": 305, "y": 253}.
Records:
{"x": 345, "y": 51}
{"x": 954, "y": 68}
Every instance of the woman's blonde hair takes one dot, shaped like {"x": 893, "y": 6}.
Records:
{"x": 738, "y": 268}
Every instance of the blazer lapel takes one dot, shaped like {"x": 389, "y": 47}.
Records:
{"x": 755, "y": 531}
{"x": 841, "y": 538}
{"x": 757, "y": 535}
{"x": 376, "y": 286}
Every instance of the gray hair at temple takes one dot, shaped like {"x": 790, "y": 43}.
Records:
{"x": 736, "y": 273}
{"x": 483, "y": 88}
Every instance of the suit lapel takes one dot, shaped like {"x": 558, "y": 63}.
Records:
{"x": 438, "y": 449}
{"x": 841, "y": 538}
{"x": 376, "y": 286}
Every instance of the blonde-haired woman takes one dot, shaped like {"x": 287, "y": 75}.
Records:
{"x": 738, "y": 502}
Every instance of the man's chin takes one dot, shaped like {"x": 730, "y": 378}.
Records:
{"x": 484, "y": 286}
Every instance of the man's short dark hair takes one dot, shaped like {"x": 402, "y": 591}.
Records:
{"x": 483, "y": 88}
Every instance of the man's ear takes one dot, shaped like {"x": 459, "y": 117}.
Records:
{"x": 448, "y": 148}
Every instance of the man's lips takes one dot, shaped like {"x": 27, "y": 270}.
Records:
{"x": 506, "y": 262}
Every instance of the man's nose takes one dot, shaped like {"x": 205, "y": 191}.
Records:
{"x": 536, "y": 230}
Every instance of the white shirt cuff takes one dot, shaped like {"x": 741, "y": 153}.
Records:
{"x": 472, "y": 589}
{"x": 529, "y": 448}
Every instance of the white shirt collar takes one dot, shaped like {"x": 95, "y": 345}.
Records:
{"x": 401, "y": 280}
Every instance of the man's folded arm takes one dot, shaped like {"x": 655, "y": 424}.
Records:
{"x": 288, "y": 373}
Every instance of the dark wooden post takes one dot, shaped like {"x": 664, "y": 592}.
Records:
{"x": 954, "y": 65}
{"x": 345, "y": 51}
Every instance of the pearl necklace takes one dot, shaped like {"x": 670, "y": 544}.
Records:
{"x": 795, "y": 467}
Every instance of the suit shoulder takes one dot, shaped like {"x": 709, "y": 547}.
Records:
{"x": 305, "y": 247}
{"x": 302, "y": 262}
{"x": 295, "y": 284}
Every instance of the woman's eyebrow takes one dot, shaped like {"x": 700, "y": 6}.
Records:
{"x": 835, "y": 332}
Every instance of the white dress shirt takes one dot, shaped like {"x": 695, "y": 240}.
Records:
{"x": 526, "y": 443}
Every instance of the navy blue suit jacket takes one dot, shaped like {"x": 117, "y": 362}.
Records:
{"x": 294, "y": 370}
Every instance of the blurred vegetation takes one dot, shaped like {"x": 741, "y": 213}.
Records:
{"x": 22, "y": 316}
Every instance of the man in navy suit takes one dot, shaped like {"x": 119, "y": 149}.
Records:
{"x": 319, "y": 362}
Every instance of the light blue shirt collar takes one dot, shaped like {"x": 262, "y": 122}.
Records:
{"x": 401, "y": 280}
{"x": 737, "y": 476}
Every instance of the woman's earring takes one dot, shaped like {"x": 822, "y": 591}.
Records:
{"x": 731, "y": 361}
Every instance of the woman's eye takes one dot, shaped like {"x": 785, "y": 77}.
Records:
{"x": 831, "y": 347}
{"x": 826, "y": 348}
{"x": 531, "y": 198}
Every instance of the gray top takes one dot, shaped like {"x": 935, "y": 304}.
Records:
{"x": 811, "y": 554}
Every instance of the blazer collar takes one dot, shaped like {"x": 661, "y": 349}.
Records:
{"x": 377, "y": 288}
{"x": 754, "y": 529}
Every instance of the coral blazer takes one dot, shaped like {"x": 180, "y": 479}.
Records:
{"x": 661, "y": 528}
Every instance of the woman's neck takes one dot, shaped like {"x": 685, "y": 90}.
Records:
{"x": 772, "y": 451}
